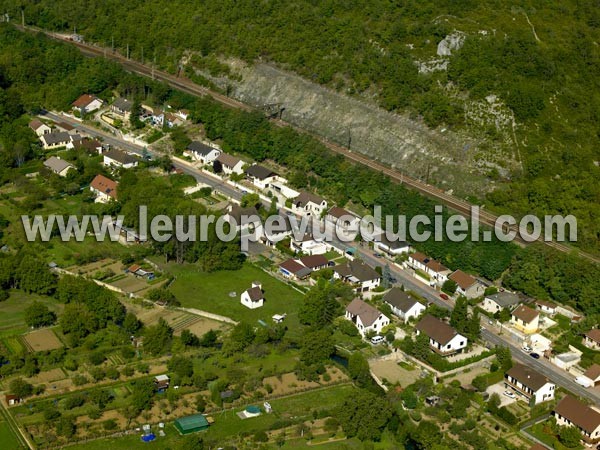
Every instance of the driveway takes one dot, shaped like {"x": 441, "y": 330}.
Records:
{"x": 499, "y": 388}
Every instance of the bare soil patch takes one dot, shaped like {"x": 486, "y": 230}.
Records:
{"x": 288, "y": 383}
{"x": 394, "y": 373}
{"x": 42, "y": 340}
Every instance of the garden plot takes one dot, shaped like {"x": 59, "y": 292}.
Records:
{"x": 289, "y": 383}
{"x": 42, "y": 340}
{"x": 391, "y": 371}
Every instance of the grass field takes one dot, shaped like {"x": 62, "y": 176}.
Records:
{"x": 12, "y": 320}
{"x": 210, "y": 292}
{"x": 8, "y": 441}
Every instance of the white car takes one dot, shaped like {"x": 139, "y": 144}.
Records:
{"x": 527, "y": 349}
{"x": 509, "y": 394}
{"x": 375, "y": 340}
{"x": 584, "y": 381}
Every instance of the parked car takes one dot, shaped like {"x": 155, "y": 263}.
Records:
{"x": 527, "y": 349}
{"x": 444, "y": 296}
{"x": 509, "y": 394}
{"x": 376, "y": 340}
{"x": 377, "y": 255}
{"x": 535, "y": 355}
{"x": 584, "y": 381}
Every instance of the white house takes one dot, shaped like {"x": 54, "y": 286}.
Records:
{"x": 118, "y": 158}
{"x": 314, "y": 262}
{"x": 308, "y": 204}
{"x": 244, "y": 219}
{"x": 279, "y": 187}
{"x": 360, "y": 276}
{"x": 104, "y": 188}
{"x": 308, "y": 245}
{"x": 529, "y": 384}
{"x": 276, "y": 228}
{"x": 365, "y": 317}
{"x": 443, "y": 339}
{"x": 39, "y": 127}
{"x": 436, "y": 271}
{"x": 87, "y": 103}
{"x": 403, "y": 305}
{"x": 497, "y": 302}
{"x": 230, "y": 164}
{"x": 593, "y": 375}
{"x": 571, "y": 412}
{"x": 199, "y": 151}
{"x": 591, "y": 339}
{"x": 55, "y": 140}
{"x": 342, "y": 218}
{"x": 261, "y": 176}
{"x": 58, "y": 166}
{"x": 525, "y": 319}
{"x": 546, "y": 307}
{"x": 467, "y": 285}
{"x": 392, "y": 248}
{"x": 254, "y": 297}
{"x": 294, "y": 270}
{"x": 122, "y": 107}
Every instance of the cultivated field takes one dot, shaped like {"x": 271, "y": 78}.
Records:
{"x": 42, "y": 340}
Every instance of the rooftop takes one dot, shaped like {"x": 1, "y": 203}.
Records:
{"x": 56, "y": 164}
{"x": 120, "y": 156}
{"x": 400, "y": 299}
{"x": 260, "y": 172}
{"x": 525, "y": 313}
{"x": 579, "y": 414}
{"x": 594, "y": 335}
{"x": 306, "y": 197}
{"x": 527, "y": 376}
{"x": 228, "y": 160}
{"x": 462, "y": 279}
{"x": 367, "y": 313}
{"x": 200, "y": 148}
{"x": 436, "y": 329}
{"x": 358, "y": 270}
{"x": 504, "y": 299}
{"x": 105, "y": 185}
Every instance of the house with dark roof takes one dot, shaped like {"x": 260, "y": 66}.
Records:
{"x": 201, "y": 152}
{"x": 104, "y": 188}
{"x": 39, "y": 127}
{"x": 118, "y": 158}
{"x": 436, "y": 271}
{"x": 244, "y": 218}
{"x": 546, "y": 307}
{"x": 55, "y": 139}
{"x": 314, "y": 262}
{"x": 366, "y": 317}
{"x": 467, "y": 285}
{"x": 593, "y": 375}
{"x": 309, "y": 205}
{"x": 261, "y": 176}
{"x": 529, "y": 384}
{"x": 87, "y": 103}
{"x": 443, "y": 339}
{"x": 122, "y": 107}
{"x": 572, "y": 412}
{"x": 292, "y": 269}
{"x": 360, "y": 276}
{"x": 501, "y": 300}
{"x": 12, "y": 399}
{"x": 58, "y": 166}
{"x": 525, "y": 319}
{"x": 254, "y": 297}
{"x": 591, "y": 339}
{"x": 403, "y": 305}
{"x": 342, "y": 218}
{"x": 229, "y": 164}
{"x": 393, "y": 247}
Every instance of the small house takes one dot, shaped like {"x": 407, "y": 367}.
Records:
{"x": 201, "y": 152}
{"x": 360, "y": 276}
{"x": 122, "y": 107}
{"x": 525, "y": 319}
{"x": 229, "y": 164}
{"x": 391, "y": 248}
{"x": 309, "y": 205}
{"x": 104, "y": 188}
{"x": 161, "y": 382}
{"x": 254, "y": 297}
{"x": 342, "y": 218}
{"x": 39, "y": 127}
{"x": 308, "y": 245}
{"x": 260, "y": 176}
{"x": 118, "y": 158}
{"x": 591, "y": 339}
{"x": 12, "y": 399}
{"x": 571, "y": 412}
{"x": 529, "y": 384}
{"x": 593, "y": 375}
{"x": 292, "y": 269}
{"x": 443, "y": 339}
{"x": 403, "y": 305}
{"x": 87, "y": 103}
{"x": 366, "y": 317}
{"x": 546, "y": 307}
{"x": 501, "y": 300}
{"x": 467, "y": 285}
{"x": 58, "y": 166}
{"x": 314, "y": 262}
{"x": 55, "y": 139}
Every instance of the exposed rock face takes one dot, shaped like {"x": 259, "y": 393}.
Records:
{"x": 441, "y": 157}
{"x": 450, "y": 43}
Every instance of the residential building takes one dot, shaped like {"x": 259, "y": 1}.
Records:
{"x": 342, "y": 218}
{"x": 64, "y": 126}
{"x": 362, "y": 277}
{"x": 529, "y": 384}
{"x": 365, "y": 317}
{"x": 87, "y": 103}
{"x": 309, "y": 205}
{"x": 279, "y": 228}
{"x": 391, "y": 248}
{"x": 280, "y": 187}
{"x": 591, "y": 339}
{"x": 104, "y": 188}
{"x": 443, "y": 339}
{"x": 39, "y": 127}
{"x": 118, "y": 158}
{"x": 55, "y": 139}
{"x": 254, "y": 297}
{"x": 244, "y": 218}
{"x": 593, "y": 374}
{"x": 467, "y": 285}
{"x": 308, "y": 245}
{"x": 436, "y": 271}
{"x": 525, "y": 319}
{"x": 292, "y": 269}
{"x": 230, "y": 164}
{"x": 568, "y": 359}
{"x": 572, "y": 412}
{"x": 501, "y": 300}
{"x": 546, "y": 307}
{"x": 58, "y": 166}
{"x": 260, "y": 176}
{"x": 403, "y": 305}
{"x": 199, "y": 151}
{"x": 122, "y": 107}
{"x": 314, "y": 262}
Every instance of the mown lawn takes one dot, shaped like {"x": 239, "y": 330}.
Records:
{"x": 211, "y": 292}
{"x": 12, "y": 319}
{"x": 8, "y": 441}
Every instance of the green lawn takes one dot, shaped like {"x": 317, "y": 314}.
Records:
{"x": 210, "y": 292}
{"x": 12, "y": 319}
{"x": 8, "y": 441}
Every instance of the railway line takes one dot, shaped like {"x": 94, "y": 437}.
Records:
{"x": 461, "y": 206}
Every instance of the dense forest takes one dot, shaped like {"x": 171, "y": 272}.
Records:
{"x": 567, "y": 279}
{"x": 539, "y": 59}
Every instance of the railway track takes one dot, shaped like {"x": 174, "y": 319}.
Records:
{"x": 463, "y": 207}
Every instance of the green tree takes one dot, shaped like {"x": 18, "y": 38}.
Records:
{"x": 459, "y": 318}
{"x": 38, "y": 315}
{"x": 20, "y": 388}
{"x": 356, "y": 416}
{"x": 189, "y": 339}
{"x": 157, "y": 338}
{"x": 449, "y": 287}
{"x": 569, "y": 436}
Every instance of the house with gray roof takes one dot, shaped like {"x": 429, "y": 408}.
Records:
{"x": 497, "y": 302}
{"x": 366, "y": 317}
{"x": 403, "y": 305}
{"x": 58, "y": 166}
{"x": 360, "y": 276}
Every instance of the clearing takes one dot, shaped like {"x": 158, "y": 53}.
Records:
{"x": 42, "y": 340}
